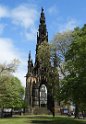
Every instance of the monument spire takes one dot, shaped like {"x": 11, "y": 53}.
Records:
{"x": 42, "y": 18}
{"x": 42, "y": 34}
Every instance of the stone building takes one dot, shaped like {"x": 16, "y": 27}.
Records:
{"x": 37, "y": 95}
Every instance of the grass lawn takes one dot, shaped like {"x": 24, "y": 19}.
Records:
{"x": 41, "y": 120}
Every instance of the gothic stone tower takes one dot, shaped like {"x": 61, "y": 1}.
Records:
{"x": 36, "y": 86}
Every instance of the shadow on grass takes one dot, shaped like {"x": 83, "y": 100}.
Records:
{"x": 57, "y": 120}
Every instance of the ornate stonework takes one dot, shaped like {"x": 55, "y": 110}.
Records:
{"x": 36, "y": 86}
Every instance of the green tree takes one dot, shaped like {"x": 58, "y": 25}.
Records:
{"x": 74, "y": 83}
{"x": 17, "y": 92}
{"x": 59, "y": 46}
{"x": 11, "y": 90}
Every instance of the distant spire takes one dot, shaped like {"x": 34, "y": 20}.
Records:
{"x": 29, "y": 55}
{"x": 30, "y": 63}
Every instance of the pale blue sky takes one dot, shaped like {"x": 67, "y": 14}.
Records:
{"x": 19, "y": 21}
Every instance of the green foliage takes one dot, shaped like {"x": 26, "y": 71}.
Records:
{"x": 11, "y": 90}
{"x": 43, "y": 54}
{"x": 74, "y": 83}
{"x": 53, "y": 82}
{"x": 71, "y": 53}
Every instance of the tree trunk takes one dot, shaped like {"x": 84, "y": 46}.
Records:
{"x": 76, "y": 111}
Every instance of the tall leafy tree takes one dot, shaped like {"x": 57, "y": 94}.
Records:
{"x": 59, "y": 46}
{"x": 11, "y": 92}
{"x": 74, "y": 84}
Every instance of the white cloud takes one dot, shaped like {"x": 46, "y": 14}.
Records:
{"x": 8, "y": 52}
{"x": 23, "y": 16}
{"x": 4, "y": 12}
{"x": 69, "y": 25}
